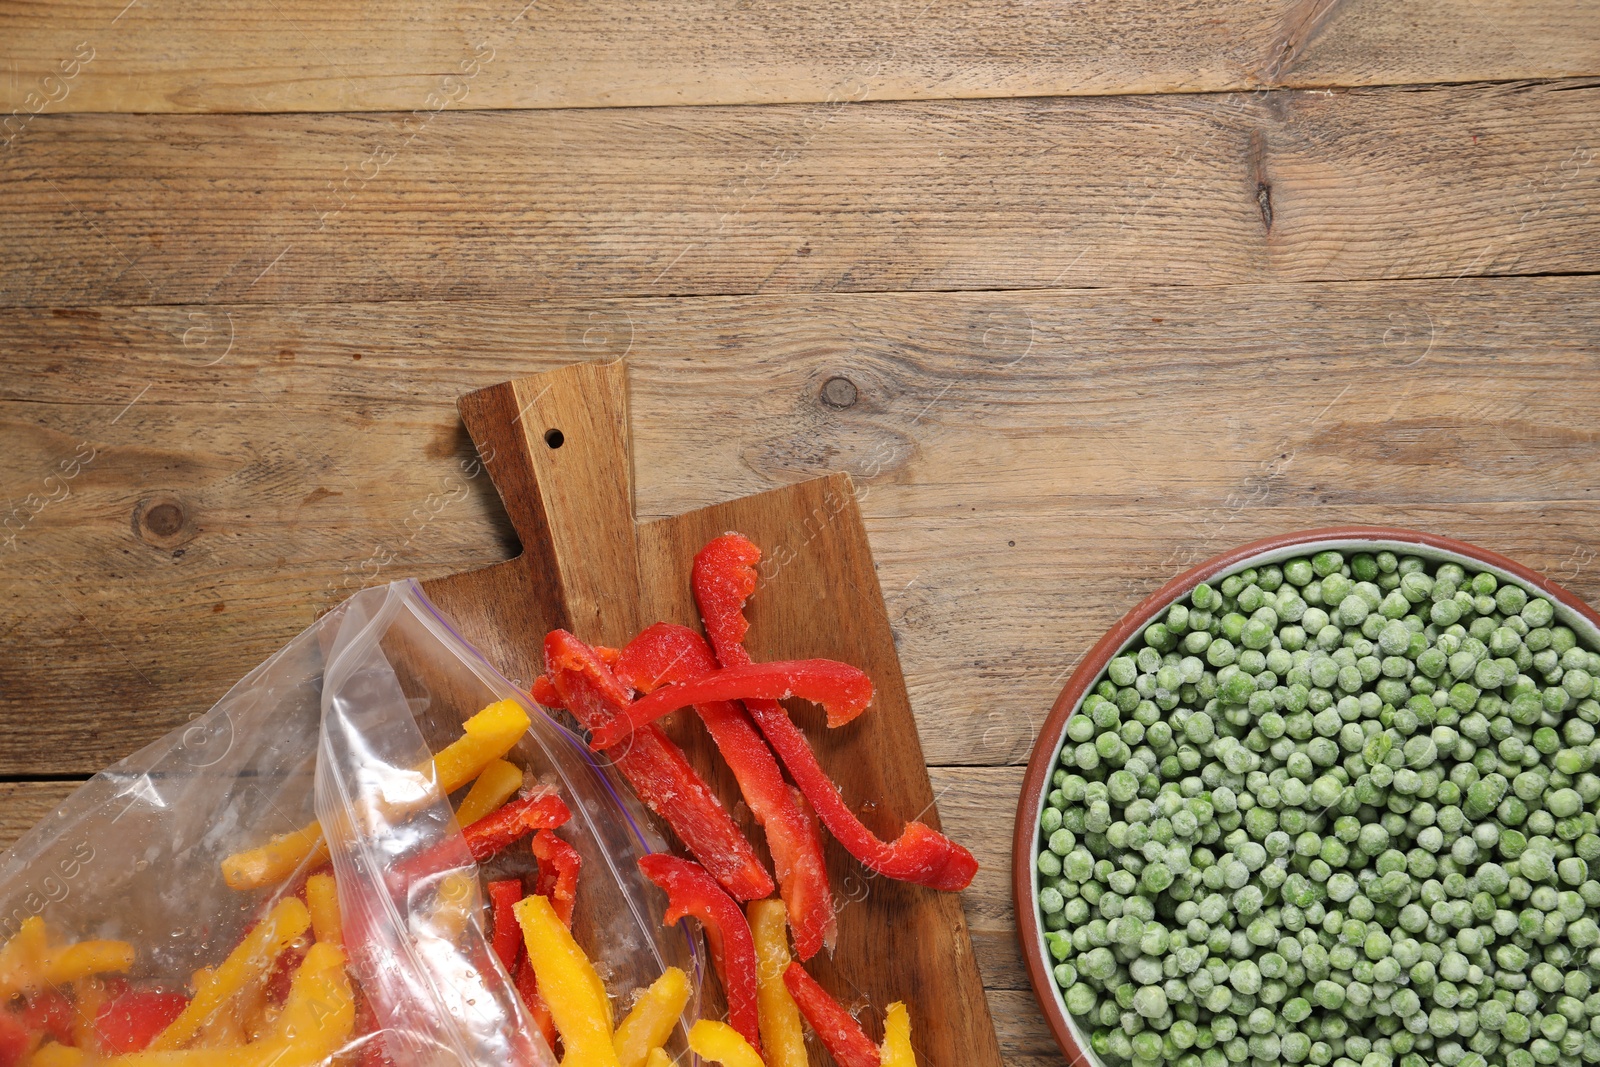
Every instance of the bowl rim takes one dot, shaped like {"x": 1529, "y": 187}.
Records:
{"x": 1030, "y": 931}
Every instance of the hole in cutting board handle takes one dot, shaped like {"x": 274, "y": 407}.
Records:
{"x": 555, "y": 438}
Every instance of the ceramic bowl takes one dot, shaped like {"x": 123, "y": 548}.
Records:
{"x": 1072, "y": 1038}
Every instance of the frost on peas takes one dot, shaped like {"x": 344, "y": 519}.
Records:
{"x": 1378, "y": 777}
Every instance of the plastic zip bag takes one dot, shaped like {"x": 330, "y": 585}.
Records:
{"x": 337, "y": 728}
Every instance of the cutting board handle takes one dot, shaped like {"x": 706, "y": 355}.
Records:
{"x": 556, "y": 447}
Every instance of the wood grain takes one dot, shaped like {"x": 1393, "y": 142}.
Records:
{"x": 295, "y": 56}
{"x": 1114, "y": 436}
{"x": 1350, "y": 185}
{"x": 22, "y": 804}
{"x": 819, "y": 597}
{"x": 569, "y": 500}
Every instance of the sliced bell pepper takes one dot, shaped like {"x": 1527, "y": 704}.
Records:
{"x": 511, "y": 822}
{"x": 130, "y": 1022}
{"x": 666, "y": 653}
{"x": 58, "y": 1055}
{"x": 506, "y": 936}
{"x": 896, "y": 1049}
{"x": 22, "y": 958}
{"x": 543, "y": 691}
{"x": 559, "y": 864}
{"x": 845, "y": 692}
{"x": 691, "y": 891}
{"x": 836, "y": 1028}
{"x": 89, "y": 996}
{"x": 657, "y": 770}
{"x": 278, "y": 859}
{"x": 276, "y": 988}
{"x": 487, "y": 736}
{"x": 251, "y": 959}
{"x": 569, "y": 984}
{"x": 315, "y": 1023}
{"x": 319, "y": 1014}
{"x": 322, "y": 901}
{"x": 649, "y": 1025}
{"x": 16, "y": 1041}
{"x": 493, "y": 833}
{"x": 721, "y": 1043}
{"x": 497, "y": 784}
{"x": 227, "y": 1025}
{"x": 724, "y": 577}
{"x": 782, "y": 1036}
{"x": 84, "y": 958}
{"x": 528, "y": 989}
{"x": 48, "y": 1011}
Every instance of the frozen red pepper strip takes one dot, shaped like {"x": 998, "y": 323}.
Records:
{"x": 544, "y": 692}
{"x": 666, "y": 653}
{"x": 657, "y": 770}
{"x": 507, "y": 939}
{"x": 513, "y": 820}
{"x": 724, "y": 577}
{"x": 559, "y": 864}
{"x": 492, "y": 833}
{"x": 836, "y": 1028}
{"x": 845, "y": 692}
{"x": 691, "y": 891}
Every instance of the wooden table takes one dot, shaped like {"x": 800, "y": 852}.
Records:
{"x": 1079, "y": 293}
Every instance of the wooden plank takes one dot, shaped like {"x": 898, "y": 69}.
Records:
{"x": 295, "y": 56}
{"x": 22, "y": 804}
{"x": 1364, "y": 184}
{"x": 1113, "y": 436}
{"x": 977, "y": 805}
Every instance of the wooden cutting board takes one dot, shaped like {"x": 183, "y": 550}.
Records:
{"x": 557, "y": 447}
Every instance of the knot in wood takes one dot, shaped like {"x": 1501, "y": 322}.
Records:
{"x": 839, "y": 392}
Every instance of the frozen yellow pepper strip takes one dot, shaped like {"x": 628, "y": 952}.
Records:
{"x": 276, "y": 860}
{"x": 54, "y": 1055}
{"x": 27, "y": 961}
{"x": 320, "y": 1011}
{"x": 322, "y": 900}
{"x": 71, "y": 962}
{"x": 315, "y": 1023}
{"x": 659, "y": 1058}
{"x": 485, "y": 737}
{"x": 253, "y": 956}
{"x": 650, "y": 1023}
{"x": 225, "y": 1028}
{"x": 23, "y": 958}
{"x": 896, "y": 1048}
{"x": 568, "y": 983}
{"x": 89, "y": 995}
{"x": 783, "y": 1038}
{"x": 721, "y": 1043}
{"x": 497, "y": 784}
